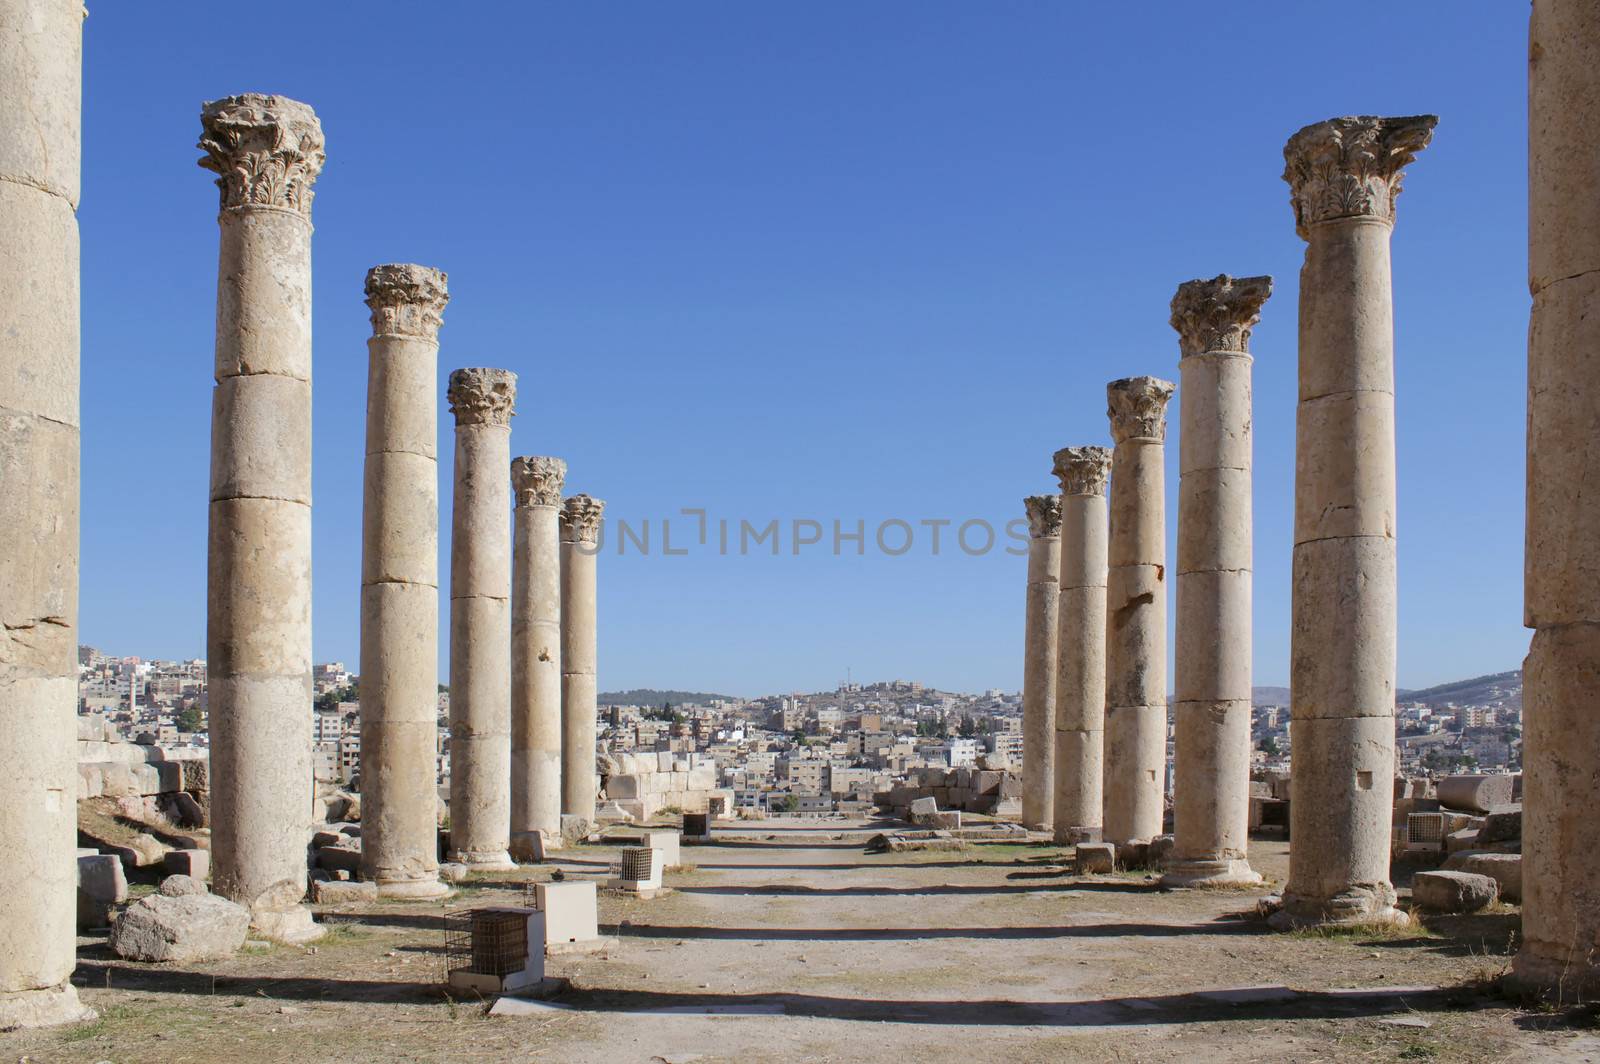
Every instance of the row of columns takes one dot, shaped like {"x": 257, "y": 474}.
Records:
{"x": 1344, "y": 175}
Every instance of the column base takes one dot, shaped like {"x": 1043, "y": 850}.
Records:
{"x": 484, "y": 860}
{"x": 294, "y": 926}
{"x": 1354, "y": 908}
{"x": 1071, "y": 836}
{"x": 47, "y": 1007}
{"x": 1201, "y": 875}
{"x": 413, "y": 889}
{"x": 1563, "y": 979}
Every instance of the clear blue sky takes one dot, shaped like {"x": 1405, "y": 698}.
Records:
{"x": 822, "y": 260}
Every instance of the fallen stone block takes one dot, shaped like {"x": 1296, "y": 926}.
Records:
{"x": 1501, "y": 824}
{"x": 101, "y": 885}
{"x": 924, "y": 807}
{"x": 1096, "y": 858}
{"x": 339, "y": 858}
{"x": 193, "y": 863}
{"x": 1475, "y": 793}
{"x": 1453, "y": 892}
{"x": 574, "y": 829}
{"x": 1465, "y": 839}
{"x": 1160, "y": 851}
{"x": 341, "y": 892}
{"x": 191, "y": 927}
{"x": 1133, "y": 854}
{"x": 179, "y": 885}
{"x": 1504, "y": 868}
{"x": 451, "y": 872}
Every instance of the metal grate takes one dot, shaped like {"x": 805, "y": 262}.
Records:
{"x": 486, "y": 941}
{"x": 697, "y": 824}
{"x": 636, "y": 865}
{"x": 1423, "y": 829}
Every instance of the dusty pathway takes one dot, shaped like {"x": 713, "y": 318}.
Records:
{"x": 793, "y": 944}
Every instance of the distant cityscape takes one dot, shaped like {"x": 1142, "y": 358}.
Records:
{"x": 821, "y": 752}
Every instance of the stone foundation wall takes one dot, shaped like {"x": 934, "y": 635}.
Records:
{"x": 993, "y": 791}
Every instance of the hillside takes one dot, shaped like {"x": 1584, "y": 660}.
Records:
{"x": 1480, "y": 690}
{"x": 650, "y": 696}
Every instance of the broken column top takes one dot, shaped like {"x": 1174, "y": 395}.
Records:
{"x": 482, "y": 396}
{"x": 1044, "y": 515}
{"x": 1082, "y": 470}
{"x": 1137, "y": 407}
{"x": 580, "y": 519}
{"x": 407, "y": 299}
{"x": 266, "y": 150}
{"x": 537, "y": 480}
{"x": 1351, "y": 167}
{"x": 1217, "y": 315}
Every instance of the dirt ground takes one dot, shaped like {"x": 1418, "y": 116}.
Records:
{"x": 788, "y": 943}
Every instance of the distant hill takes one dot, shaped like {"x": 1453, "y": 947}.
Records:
{"x": 649, "y": 696}
{"x": 1496, "y": 687}
{"x": 1269, "y": 696}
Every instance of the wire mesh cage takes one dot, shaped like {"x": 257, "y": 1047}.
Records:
{"x": 636, "y": 863}
{"x": 1425, "y": 829}
{"x": 697, "y": 825}
{"x": 491, "y": 942}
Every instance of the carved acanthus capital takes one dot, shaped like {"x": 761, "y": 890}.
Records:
{"x": 1217, "y": 315}
{"x": 1137, "y": 407}
{"x": 266, "y": 150}
{"x": 1351, "y": 167}
{"x": 1082, "y": 470}
{"x": 537, "y": 480}
{"x": 580, "y": 519}
{"x": 482, "y": 396}
{"x": 1044, "y": 515}
{"x": 407, "y": 300}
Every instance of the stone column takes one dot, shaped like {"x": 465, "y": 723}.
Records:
{"x": 400, "y": 585}
{"x": 1081, "y": 646}
{"x": 1041, "y": 624}
{"x": 480, "y": 619}
{"x": 267, "y": 151}
{"x": 1211, "y": 796}
{"x": 536, "y": 657}
{"x": 580, "y": 535}
{"x": 1561, "y": 725}
{"x": 41, "y": 75}
{"x": 1344, "y": 175}
{"x": 1136, "y": 611}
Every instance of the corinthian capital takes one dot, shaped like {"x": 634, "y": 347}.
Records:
{"x": 1082, "y": 470}
{"x": 407, "y": 300}
{"x": 1351, "y": 167}
{"x": 1137, "y": 407}
{"x": 580, "y": 519}
{"x": 1044, "y": 515}
{"x": 482, "y": 396}
{"x": 266, "y": 150}
{"x": 1217, "y": 315}
{"x": 537, "y": 480}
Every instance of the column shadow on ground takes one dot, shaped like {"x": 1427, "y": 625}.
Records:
{"x": 908, "y": 934}
{"x": 1135, "y": 887}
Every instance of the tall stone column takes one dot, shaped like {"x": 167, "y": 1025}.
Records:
{"x": 1344, "y": 175}
{"x": 1081, "y": 645}
{"x": 480, "y": 619}
{"x": 41, "y": 76}
{"x": 1211, "y": 795}
{"x": 536, "y": 656}
{"x": 400, "y": 584}
{"x": 267, "y": 151}
{"x": 1561, "y": 720}
{"x": 580, "y": 534}
{"x": 1136, "y": 611}
{"x": 1041, "y": 623}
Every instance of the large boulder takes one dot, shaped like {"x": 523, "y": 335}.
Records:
{"x": 189, "y": 927}
{"x": 1095, "y": 858}
{"x": 1504, "y": 868}
{"x": 1453, "y": 892}
{"x": 1502, "y": 824}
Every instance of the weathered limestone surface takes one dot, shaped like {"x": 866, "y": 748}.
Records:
{"x": 580, "y": 532}
{"x": 267, "y": 152}
{"x": 1211, "y": 789}
{"x": 400, "y": 584}
{"x": 536, "y": 657}
{"x": 186, "y": 924}
{"x": 1344, "y": 175}
{"x": 1561, "y": 728}
{"x": 1136, "y": 612}
{"x": 1081, "y": 645}
{"x": 40, "y": 143}
{"x": 480, "y": 619}
{"x": 1039, "y": 665}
